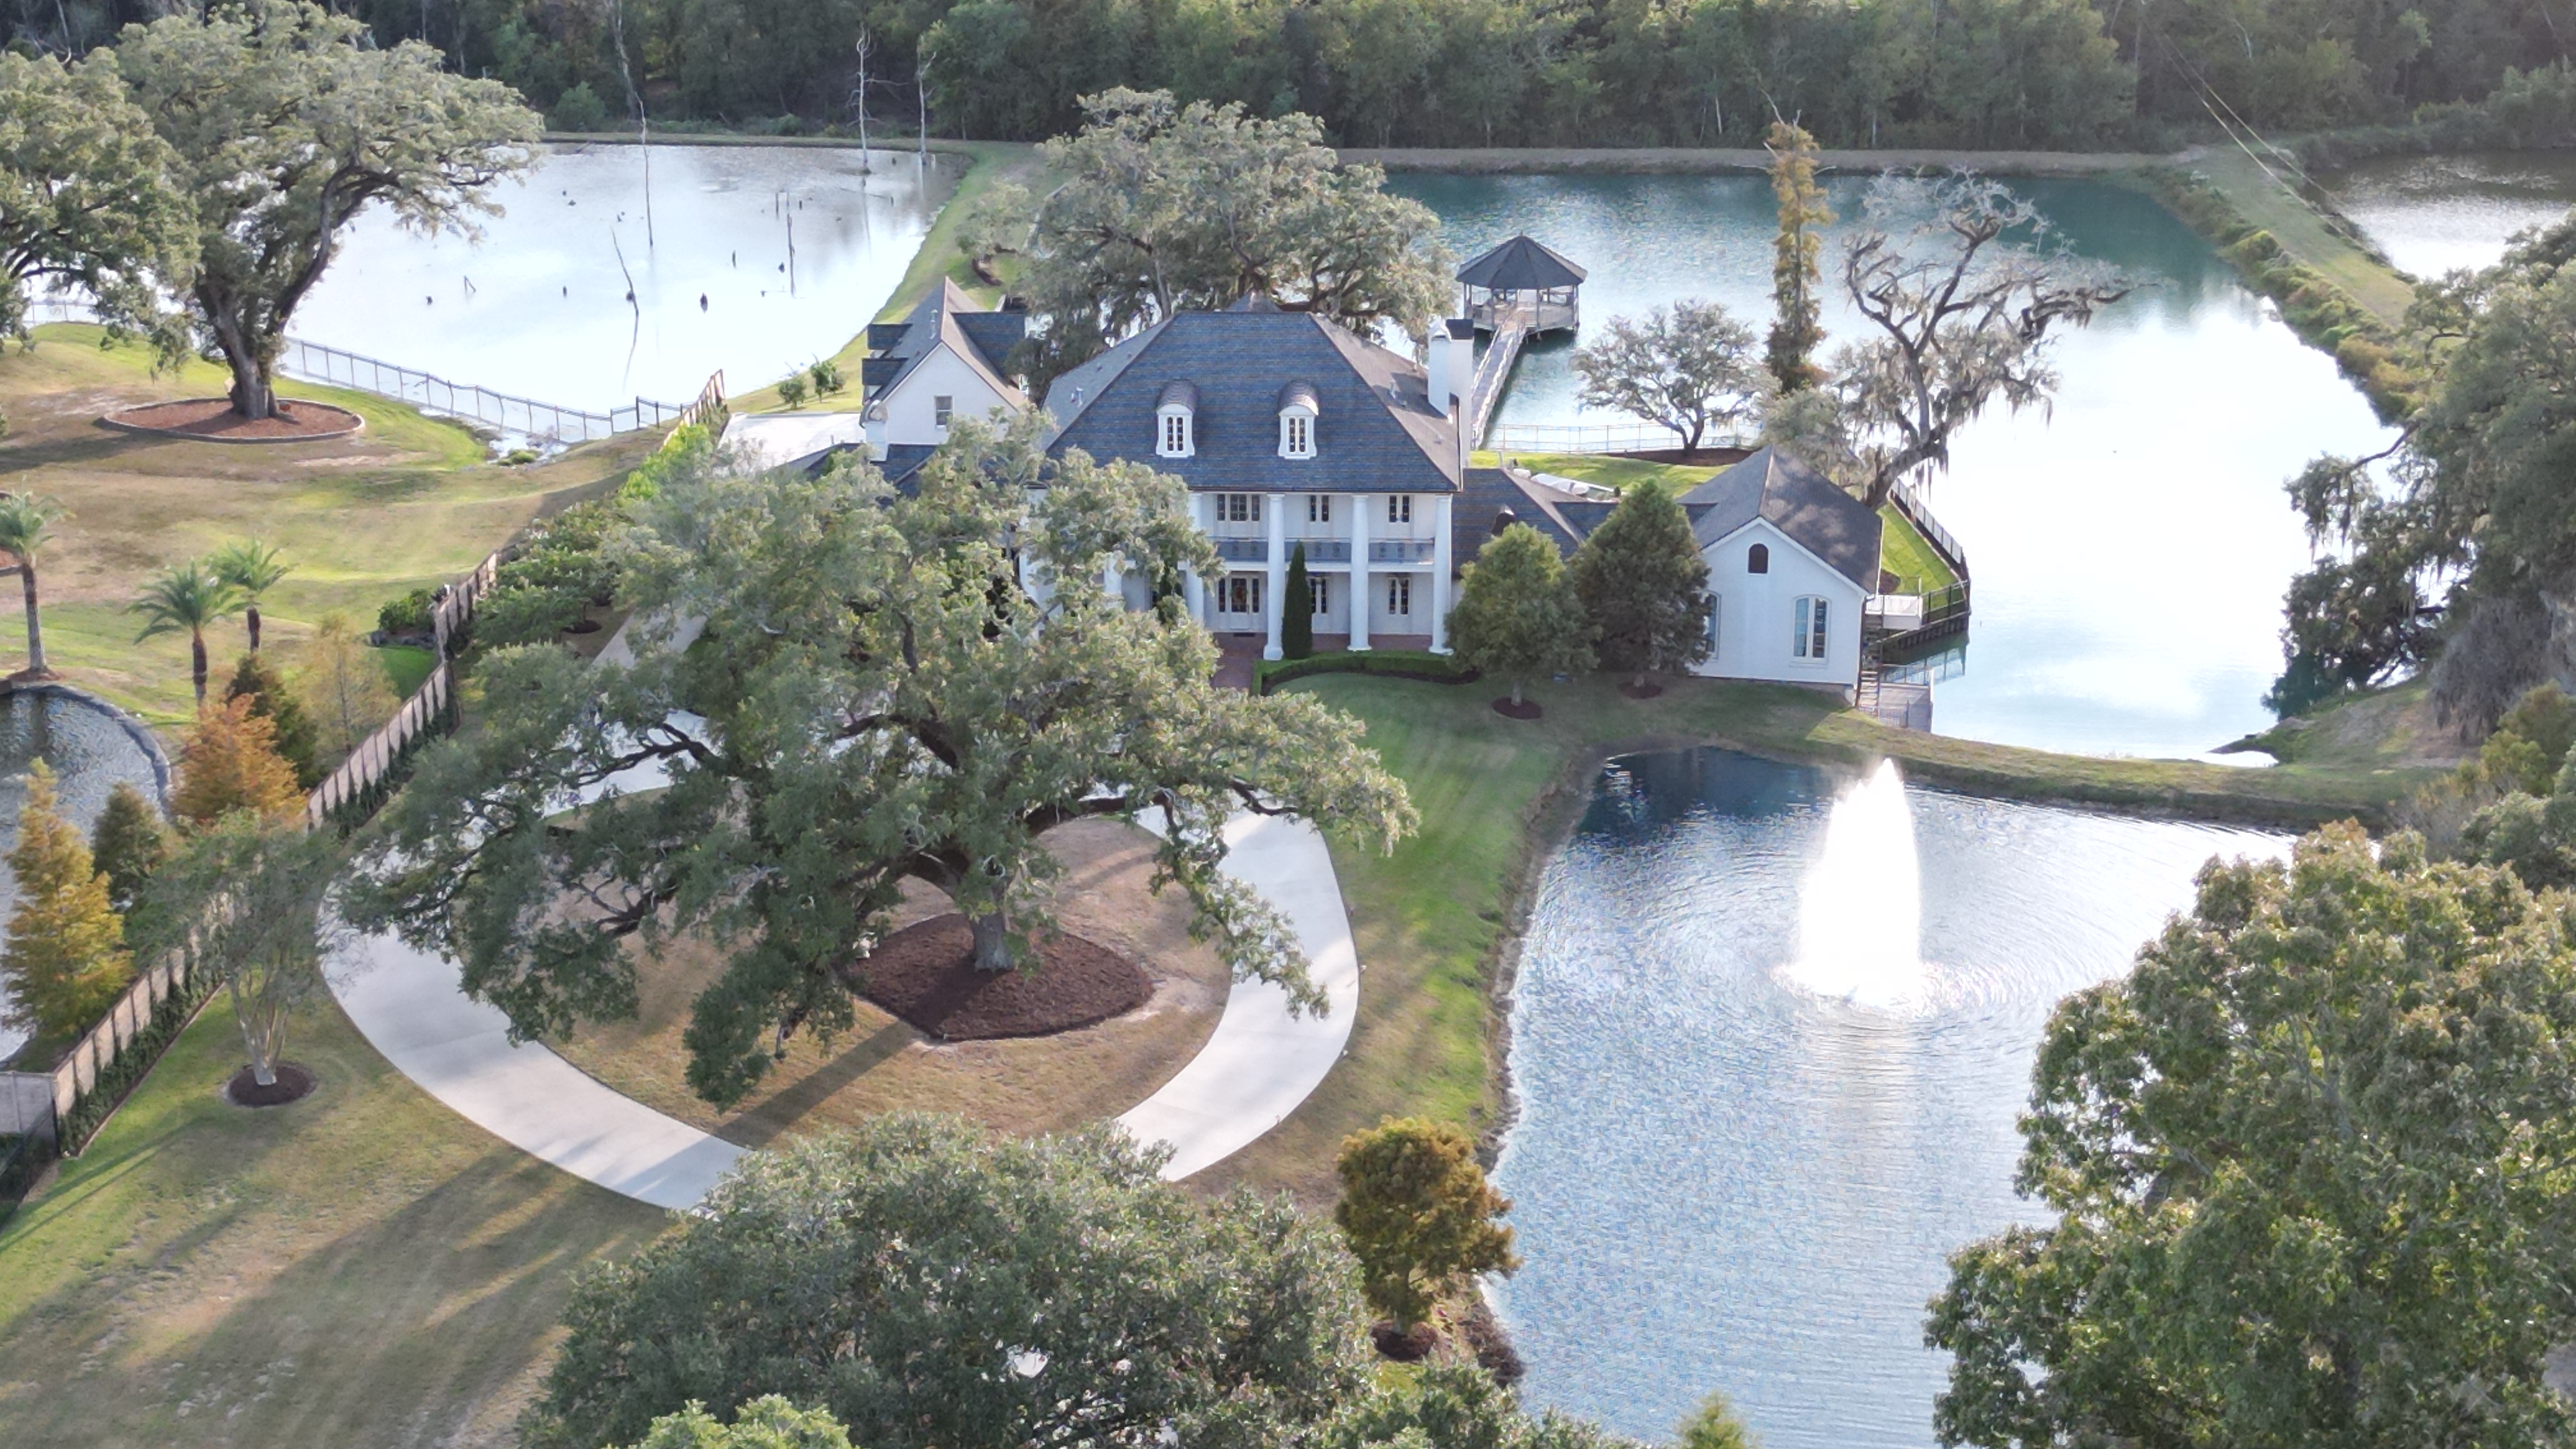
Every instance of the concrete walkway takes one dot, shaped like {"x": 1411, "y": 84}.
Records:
{"x": 1257, "y": 1066}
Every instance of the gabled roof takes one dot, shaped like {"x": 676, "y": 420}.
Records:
{"x": 1375, "y": 430}
{"x": 1522, "y": 264}
{"x": 981, "y": 338}
{"x": 1795, "y": 499}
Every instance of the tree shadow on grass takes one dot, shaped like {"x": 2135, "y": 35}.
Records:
{"x": 765, "y": 1123}
{"x": 426, "y": 1326}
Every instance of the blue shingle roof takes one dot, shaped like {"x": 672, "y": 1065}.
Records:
{"x": 1375, "y": 430}
{"x": 1802, "y": 503}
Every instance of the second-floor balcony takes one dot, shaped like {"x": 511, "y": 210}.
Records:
{"x": 1243, "y": 550}
{"x": 1400, "y": 550}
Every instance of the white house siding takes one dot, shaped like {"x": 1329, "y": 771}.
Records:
{"x": 910, "y": 409}
{"x": 1757, "y": 612}
{"x": 1383, "y": 621}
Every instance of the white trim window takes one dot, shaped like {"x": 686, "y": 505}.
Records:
{"x": 1808, "y": 639}
{"x": 1238, "y": 508}
{"x": 1399, "y": 596}
{"x": 1399, "y": 508}
{"x": 1296, "y": 433}
{"x": 1319, "y": 508}
{"x": 942, "y": 409}
{"x": 1319, "y": 593}
{"x": 1716, "y": 610}
{"x": 1239, "y": 594}
{"x": 1173, "y": 437}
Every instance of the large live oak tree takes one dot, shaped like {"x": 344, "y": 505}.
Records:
{"x": 285, "y": 127}
{"x": 2314, "y": 1166}
{"x": 891, "y": 687}
{"x": 86, "y": 197}
{"x": 1168, "y": 208}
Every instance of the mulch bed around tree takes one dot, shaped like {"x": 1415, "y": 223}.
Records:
{"x": 293, "y": 1083}
{"x": 212, "y": 420}
{"x": 1526, "y": 709}
{"x": 926, "y": 975}
{"x": 1401, "y": 1345}
{"x": 1649, "y": 690}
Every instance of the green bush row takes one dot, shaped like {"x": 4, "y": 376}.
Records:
{"x": 1402, "y": 663}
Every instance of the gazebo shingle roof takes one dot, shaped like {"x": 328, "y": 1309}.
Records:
{"x": 1522, "y": 264}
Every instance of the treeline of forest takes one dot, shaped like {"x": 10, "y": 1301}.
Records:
{"x": 1971, "y": 73}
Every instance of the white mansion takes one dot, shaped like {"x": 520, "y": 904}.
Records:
{"x": 1293, "y": 432}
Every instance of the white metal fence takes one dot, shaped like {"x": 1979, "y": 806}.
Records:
{"x": 520, "y": 416}
{"x": 1597, "y": 438}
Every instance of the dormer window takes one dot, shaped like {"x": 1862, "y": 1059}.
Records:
{"x": 1176, "y": 421}
{"x": 1297, "y": 412}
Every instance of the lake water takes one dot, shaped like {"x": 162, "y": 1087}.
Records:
{"x": 89, "y": 752}
{"x": 2434, "y": 214}
{"x": 1769, "y": 1078}
{"x": 2130, "y": 547}
{"x": 538, "y": 307}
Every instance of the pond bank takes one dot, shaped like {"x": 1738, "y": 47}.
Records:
{"x": 1438, "y": 922}
{"x": 1692, "y": 161}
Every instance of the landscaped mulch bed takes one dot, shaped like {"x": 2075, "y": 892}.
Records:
{"x": 212, "y": 419}
{"x": 294, "y": 1083}
{"x": 1526, "y": 709}
{"x": 926, "y": 975}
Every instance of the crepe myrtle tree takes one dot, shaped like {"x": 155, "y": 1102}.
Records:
{"x": 891, "y": 688}
{"x": 245, "y": 897}
{"x": 287, "y": 121}
{"x": 1958, "y": 284}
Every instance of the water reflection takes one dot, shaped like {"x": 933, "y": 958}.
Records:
{"x": 2434, "y": 214}
{"x": 2131, "y": 545}
{"x": 1723, "y": 1180}
{"x": 759, "y": 259}
{"x": 89, "y": 754}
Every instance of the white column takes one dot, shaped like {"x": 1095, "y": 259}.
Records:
{"x": 1359, "y": 504}
{"x": 1193, "y": 588}
{"x": 1274, "y": 507}
{"x": 1113, "y": 581}
{"x": 1440, "y": 578}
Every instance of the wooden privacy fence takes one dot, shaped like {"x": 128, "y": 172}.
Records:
{"x": 362, "y": 779}
{"x": 94, "y": 1076}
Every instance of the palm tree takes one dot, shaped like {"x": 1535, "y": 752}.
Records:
{"x": 187, "y": 596}
{"x": 252, "y": 567}
{"x": 24, "y": 522}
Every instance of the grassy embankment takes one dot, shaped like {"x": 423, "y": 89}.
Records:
{"x": 942, "y": 254}
{"x": 1435, "y": 920}
{"x": 408, "y": 502}
{"x": 2339, "y": 295}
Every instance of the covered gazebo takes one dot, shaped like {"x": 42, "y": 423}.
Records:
{"x": 1523, "y": 273}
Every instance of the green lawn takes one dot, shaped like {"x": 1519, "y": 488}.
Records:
{"x": 360, "y": 1268}
{"x": 1606, "y": 469}
{"x": 2264, "y": 202}
{"x": 1433, "y": 918}
{"x": 407, "y": 503}
{"x": 1903, "y": 552}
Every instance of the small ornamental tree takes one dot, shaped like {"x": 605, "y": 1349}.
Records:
{"x": 128, "y": 843}
{"x": 2304, "y": 1173}
{"x": 251, "y": 891}
{"x": 343, "y": 688}
{"x": 66, "y": 958}
{"x": 1419, "y": 1215}
{"x": 1713, "y": 1425}
{"x": 1297, "y": 610}
{"x": 1516, "y": 614}
{"x": 930, "y": 1283}
{"x": 1690, "y": 367}
{"x": 764, "y": 1423}
{"x": 1644, "y": 585}
{"x": 230, "y": 762}
{"x": 291, "y": 730}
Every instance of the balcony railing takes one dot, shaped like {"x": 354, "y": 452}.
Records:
{"x": 1400, "y": 550}
{"x": 1243, "y": 550}
{"x": 1323, "y": 550}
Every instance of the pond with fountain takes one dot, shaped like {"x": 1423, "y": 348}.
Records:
{"x": 1770, "y": 1032}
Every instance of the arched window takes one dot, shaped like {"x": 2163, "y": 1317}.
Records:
{"x": 1757, "y": 559}
{"x": 1298, "y": 410}
{"x": 1176, "y": 421}
{"x": 1809, "y": 620}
